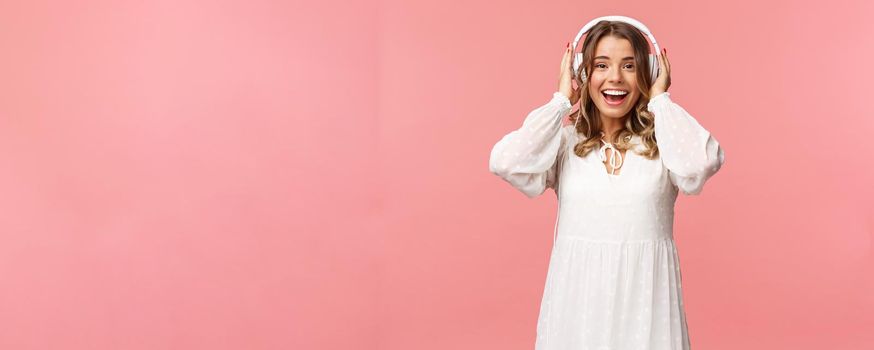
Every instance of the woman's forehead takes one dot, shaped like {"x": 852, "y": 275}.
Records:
{"x": 614, "y": 48}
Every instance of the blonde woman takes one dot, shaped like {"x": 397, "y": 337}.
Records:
{"x": 614, "y": 274}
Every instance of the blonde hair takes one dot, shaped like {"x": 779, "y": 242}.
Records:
{"x": 641, "y": 122}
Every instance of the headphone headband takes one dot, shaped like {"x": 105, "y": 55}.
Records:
{"x": 625, "y": 19}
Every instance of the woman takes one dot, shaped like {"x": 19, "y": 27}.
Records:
{"x": 614, "y": 275}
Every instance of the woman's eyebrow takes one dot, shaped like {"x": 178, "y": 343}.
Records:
{"x": 607, "y": 58}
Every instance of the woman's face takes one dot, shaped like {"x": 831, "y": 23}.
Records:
{"x": 614, "y": 70}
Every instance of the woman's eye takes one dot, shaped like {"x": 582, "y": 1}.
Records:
{"x": 601, "y": 65}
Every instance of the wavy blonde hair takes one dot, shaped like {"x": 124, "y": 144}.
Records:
{"x": 641, "y": 122}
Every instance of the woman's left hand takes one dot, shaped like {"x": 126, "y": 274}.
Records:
{"x": 663, "y": 81}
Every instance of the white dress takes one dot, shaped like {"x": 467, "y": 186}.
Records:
{"x": 614, "y": 278}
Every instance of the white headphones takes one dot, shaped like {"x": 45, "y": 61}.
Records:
{"x": 580, "y": 76}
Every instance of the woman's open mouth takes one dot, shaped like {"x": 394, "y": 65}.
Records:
{"x": 614, "y": 97}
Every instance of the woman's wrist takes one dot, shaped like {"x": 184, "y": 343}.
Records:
{"x": 562, "y": 99}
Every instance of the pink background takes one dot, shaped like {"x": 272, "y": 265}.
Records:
{"x": 280, "y": 175}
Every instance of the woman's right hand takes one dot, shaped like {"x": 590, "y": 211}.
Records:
{"x": 566, "y": 77}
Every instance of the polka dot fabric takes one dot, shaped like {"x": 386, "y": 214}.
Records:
{"x": 614, "y": 280}
{"x": 526, "y": 157}
{"x": 688, "y": 150}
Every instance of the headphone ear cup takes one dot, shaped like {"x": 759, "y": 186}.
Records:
{"x": 653, "y": 67}
{"x": 578, "y": 60}
{"x": 578, "y": 67}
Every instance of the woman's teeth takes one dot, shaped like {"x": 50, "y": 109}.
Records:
{"x": 614, "y": 97}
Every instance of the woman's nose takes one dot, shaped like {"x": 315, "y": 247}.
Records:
{"x": 615, "y": 75}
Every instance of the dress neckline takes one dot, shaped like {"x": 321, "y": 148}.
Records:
{"x": 625, "y": 160}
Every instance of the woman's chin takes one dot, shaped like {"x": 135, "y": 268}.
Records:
{"x": 613, "y": 112}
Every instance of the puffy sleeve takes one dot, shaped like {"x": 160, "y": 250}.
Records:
{"x": 526, "y": 158}
{"x": 689, "y": 152}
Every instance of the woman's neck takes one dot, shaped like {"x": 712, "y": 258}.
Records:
{"x": 611, "y": 127}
